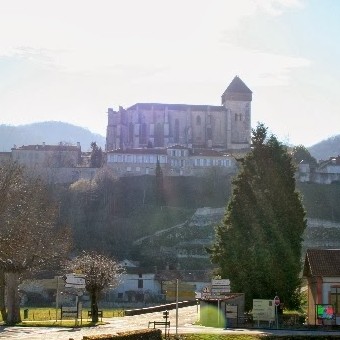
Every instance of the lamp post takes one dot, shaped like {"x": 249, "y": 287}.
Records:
{"x": 176, "y": 308}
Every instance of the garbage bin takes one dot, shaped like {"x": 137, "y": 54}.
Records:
{"x": 26, "y": 313}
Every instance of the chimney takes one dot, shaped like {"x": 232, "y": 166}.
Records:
{"x": 78, "y": 145}
{"x": 43, "y": 144}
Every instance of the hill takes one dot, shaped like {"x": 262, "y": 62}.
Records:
{"x": 49, "y": 132}
{"x": 325, "y": 149}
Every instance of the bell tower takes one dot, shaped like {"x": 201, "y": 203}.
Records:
{"x": 237, "y": 101}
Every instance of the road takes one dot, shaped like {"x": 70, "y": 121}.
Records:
{"x": 186, "y": 318}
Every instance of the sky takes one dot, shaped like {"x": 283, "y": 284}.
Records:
{"x": 70, "y": 60}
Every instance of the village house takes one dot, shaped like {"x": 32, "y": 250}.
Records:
{"x": 322, "y": 271}
{"x": 152, "y": 285}
{"x": 43, "y": 155}
{"x": 176, "y": 160}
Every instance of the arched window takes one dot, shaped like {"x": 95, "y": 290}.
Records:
{"x": 198, "y": 120}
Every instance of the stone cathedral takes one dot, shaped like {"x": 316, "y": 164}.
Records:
{"x": 225, "y": 127}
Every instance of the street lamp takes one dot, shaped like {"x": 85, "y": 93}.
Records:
{"x": 176, "y": 308}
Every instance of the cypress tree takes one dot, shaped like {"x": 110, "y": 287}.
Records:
{"x": 258, "y": 244}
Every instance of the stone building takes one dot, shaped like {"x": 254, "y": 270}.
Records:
{"x": 176, "y": 160}
{"x": 49, "y": 156}
{"x": 225, "y": 127}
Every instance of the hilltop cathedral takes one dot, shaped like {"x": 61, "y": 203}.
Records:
{"x": 153, "y": 125}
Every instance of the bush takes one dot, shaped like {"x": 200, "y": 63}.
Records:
{"x": 142, "y": 334}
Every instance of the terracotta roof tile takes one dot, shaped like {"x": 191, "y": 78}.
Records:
{"x": 322, "y": 262}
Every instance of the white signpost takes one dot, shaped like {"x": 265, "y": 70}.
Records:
{"x": 220, "y": 287}
{"x": 74, "y": 281}
{"x": 220, "y": 282}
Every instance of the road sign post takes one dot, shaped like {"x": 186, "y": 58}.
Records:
{"x": 277, "y": 304}
{"x": 74, "y": 281}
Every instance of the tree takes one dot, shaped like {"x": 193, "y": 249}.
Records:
{"x": 30, "y": 238}
{"x": 258, "y": 245}
{"x": 9, "y": 173}
{"x": 300, "y": 153}
{"x": 100, "y": 273}
{"x": 159, "y": 184}
{"x": 96, "y": 159}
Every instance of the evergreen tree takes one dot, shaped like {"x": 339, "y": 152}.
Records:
{"x": 301, "y": 153}
{"x": 96, "y": 160}
{"x": 258, "y": 245}
{"x": 159, "y": 184}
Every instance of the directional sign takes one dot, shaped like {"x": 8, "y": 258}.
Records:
{"x": 74, "y": 280}
{"x": 220, "y": 282}
{"x": 220, "y": 289}
{"x": 220, "y": 286}
{"x": 206, "y": 296}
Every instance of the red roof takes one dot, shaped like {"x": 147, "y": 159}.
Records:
{"x": 322, "y": 262}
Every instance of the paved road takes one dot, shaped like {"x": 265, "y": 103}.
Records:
{"x": 186, "y": 318}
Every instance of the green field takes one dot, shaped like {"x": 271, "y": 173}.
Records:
{"x": 51, "y": 314}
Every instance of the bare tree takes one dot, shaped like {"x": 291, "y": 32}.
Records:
{"x": 9, "y": 173}
{"x": 100, "y": 272}
{"x": 30, "y": 238}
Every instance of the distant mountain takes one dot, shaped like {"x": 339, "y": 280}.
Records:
{"x": 325, "y": 149}
{"x": 49, "y": 132}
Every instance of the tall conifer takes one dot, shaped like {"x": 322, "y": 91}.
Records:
{"x": 258, "y": 245}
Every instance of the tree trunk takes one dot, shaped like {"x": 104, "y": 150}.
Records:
{"x": 94, "y": 307}
{"x": 13, "y": 299}
{"x": 2, "y": 296}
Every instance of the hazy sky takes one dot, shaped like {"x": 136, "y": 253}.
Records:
{"x": 69, "y": 60}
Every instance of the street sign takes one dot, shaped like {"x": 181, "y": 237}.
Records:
{"x": 74, "y": 280}
{"x": 206, "y": 296}
{"x": 220, "y": 282}
{"x": 277, "y": 301}
{"x": 220, "y": 289}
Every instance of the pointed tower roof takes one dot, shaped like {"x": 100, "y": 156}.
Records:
{"x": 237, "y": 90}
{"x": 237, "y": 85}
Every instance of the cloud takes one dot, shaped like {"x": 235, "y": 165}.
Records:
{"x": 278, "y": 7}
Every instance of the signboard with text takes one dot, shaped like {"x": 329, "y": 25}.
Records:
{"x": 220, "y": 287}
{"x": 74, "y": 281}
{"x": 263, "y": 310}
{"x": 220, "y": 282}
